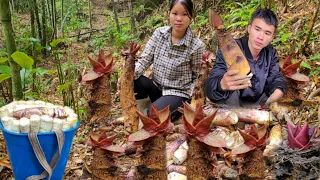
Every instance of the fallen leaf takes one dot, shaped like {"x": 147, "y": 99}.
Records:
{"x": 315, "y": 79}
{"x": 5, "y": 162}
{"x": 78, "y": 172}
{"x": 78, "y": 160}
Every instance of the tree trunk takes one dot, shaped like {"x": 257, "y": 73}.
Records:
{"x": 44, "y": 34}
{"x": 53, "y": 18}
{"x": 204, "y": 6}
{"x": 116, "y": 16}
{"x": 12, "y": 5}
{"x": 5, "y": 16}
{"x": 49, "y": 11}
{"x": 62, "y": 9}
{"x": 79, "y": 17}
{"x": 36, "y": 12}
{"x": 311, "y": 25}
{"x": 90, "y": 16}
{"x": 33, "y": 34}
{"x": 132, "y": 17}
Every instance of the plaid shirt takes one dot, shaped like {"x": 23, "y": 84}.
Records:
{"x": 175, "y": 67}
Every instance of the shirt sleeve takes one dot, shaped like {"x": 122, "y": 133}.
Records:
{"x": 212, "y": 86}
{"x": 147, "y": 55}
{"x": 196, "y": 59}
{"x": 275, "y": 79}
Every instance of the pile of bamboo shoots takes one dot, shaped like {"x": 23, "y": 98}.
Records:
{"x": 176, "y": 155}
{"x": 36, "y": 116}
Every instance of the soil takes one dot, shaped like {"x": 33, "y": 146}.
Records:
{"x": 294, "y": 164}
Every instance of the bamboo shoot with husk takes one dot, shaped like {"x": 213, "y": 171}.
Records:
{"x": 99, "y": 102}
{"x": 198, "y": 163}
{"x": 177, "y": 168}
{"x": 225, "y": 118}
{"x": 198, "y": 96}
{"x": 27, "y": 112}
{"x": 240, "y": 115}
{"x": 154, "y": 159}
{"x": 152, "y": 143}
{"x": 275, "y": 139}
{"x": 254, "y": 166}
{"x": 127, "y": 97}
{"x": 231, "y": 51}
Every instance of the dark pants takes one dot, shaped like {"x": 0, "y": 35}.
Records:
{"x": 145, "y": 87}
{"x": 235, "y": 101}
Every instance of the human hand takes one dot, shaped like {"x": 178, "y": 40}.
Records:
{"x": 231, "y": 81}
{"x": 275, "y": 96}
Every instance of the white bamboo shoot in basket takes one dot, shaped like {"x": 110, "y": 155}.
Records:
{"x": 69, "y": 111}
{"x": 15, "y": 125}
{"x": 24, "y": 125}
{"x": 4, "y": 112}
{"x": 30, "y": 102}
{"x": 57, "y": 124}
{"x": 46, "y": 123}
{"x": 73, "y": 119}
{"x": 37, "y": 116}
{"x": 7, "y": 122}
{"x": 38, "y": 102}
{"x": 20, "y": 102}
{"x": 66, "y": 125}
{"x": 49, "y": 105}
{"x": 34, "y": 123}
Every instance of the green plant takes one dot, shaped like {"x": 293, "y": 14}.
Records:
{"x": 239, "y": 13}
{"x": 153, "y": 22}
{"x": 26, "y": 72}
{"x": 66, "y": 74}
{"x": 200, "y": 20}
{"x": 311, "y": 63}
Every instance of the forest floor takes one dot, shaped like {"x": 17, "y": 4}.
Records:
{"x": 81, "y": 154}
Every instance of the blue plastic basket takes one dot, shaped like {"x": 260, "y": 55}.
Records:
{"x": 23, "y": 160}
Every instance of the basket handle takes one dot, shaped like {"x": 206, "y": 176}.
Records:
{"x": 41, "y": 157}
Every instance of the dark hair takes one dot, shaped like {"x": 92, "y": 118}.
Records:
{"x": 267, "y": 15}
{"x": 187, "y": 4}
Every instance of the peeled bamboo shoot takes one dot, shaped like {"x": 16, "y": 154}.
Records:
{"x": 24, "y": 124}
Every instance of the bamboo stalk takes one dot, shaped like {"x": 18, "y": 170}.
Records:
{"x": 310, "y": 28}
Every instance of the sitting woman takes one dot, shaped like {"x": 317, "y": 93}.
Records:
{"x": 175, "y": 53}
